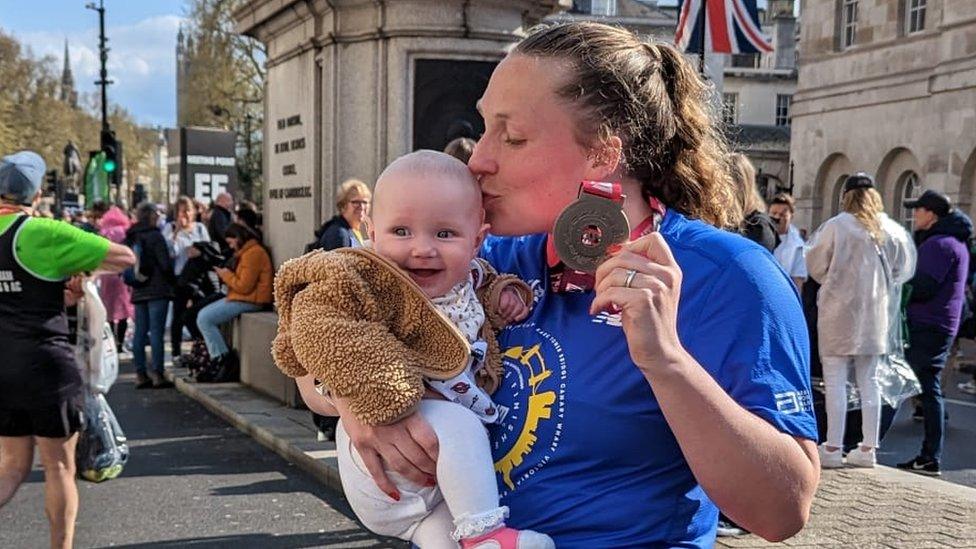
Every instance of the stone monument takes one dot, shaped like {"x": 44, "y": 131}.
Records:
{"x": 353, "y": 84}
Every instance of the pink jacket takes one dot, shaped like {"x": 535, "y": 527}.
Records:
{"x": 114, "y": 293}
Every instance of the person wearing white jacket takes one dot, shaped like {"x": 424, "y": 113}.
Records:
{"x": 858, "y": 256}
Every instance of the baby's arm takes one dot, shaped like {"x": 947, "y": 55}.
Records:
{"x": 316, "y": 401}
{"x": 505, "y": 297}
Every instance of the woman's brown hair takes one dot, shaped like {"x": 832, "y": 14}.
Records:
{"x": 651, "y": 98}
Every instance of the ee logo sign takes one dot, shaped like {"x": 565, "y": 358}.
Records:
{"x": 206, "y": 186}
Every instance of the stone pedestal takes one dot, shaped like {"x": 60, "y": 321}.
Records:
{"x": 342, "y": 90}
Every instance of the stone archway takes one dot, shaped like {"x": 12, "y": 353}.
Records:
{"x": 892, "y": 174}
{"x": 830, "y": 178}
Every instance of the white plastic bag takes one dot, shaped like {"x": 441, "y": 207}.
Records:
{"x": 95, "y": 349}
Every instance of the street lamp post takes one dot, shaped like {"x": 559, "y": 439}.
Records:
{"x": 103, "y": 54}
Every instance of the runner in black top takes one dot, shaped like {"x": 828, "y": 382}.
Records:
{"x": 40, "y": 383}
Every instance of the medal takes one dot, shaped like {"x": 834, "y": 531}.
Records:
{"x": 587, "y": 227}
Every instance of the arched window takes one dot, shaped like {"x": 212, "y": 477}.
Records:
{"x": 909, "y": 188}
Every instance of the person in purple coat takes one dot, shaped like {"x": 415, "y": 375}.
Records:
{"x": 934, "y": 311}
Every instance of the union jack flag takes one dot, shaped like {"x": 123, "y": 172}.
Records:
{"x": 732, "y": 26}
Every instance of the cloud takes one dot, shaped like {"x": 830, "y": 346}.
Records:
{"x": 141, "y": 62}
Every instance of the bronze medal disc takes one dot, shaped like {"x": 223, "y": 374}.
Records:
{"x": 586, "y": 228}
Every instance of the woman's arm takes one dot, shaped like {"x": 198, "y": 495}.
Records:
{"x": 763, "y": 479}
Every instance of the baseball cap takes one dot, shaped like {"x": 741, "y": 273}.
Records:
{"x": 933, "y": 201}
{"x": 860, "y": 180}
{"x": 21, "y": 175}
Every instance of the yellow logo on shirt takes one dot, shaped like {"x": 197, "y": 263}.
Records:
{"x": 539, "y": 408}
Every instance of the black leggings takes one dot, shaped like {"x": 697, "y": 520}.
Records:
{"x": 118, "y": 328}
{"x": 181, "y": 304}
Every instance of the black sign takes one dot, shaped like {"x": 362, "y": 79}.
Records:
{"x": 205, "y": 160}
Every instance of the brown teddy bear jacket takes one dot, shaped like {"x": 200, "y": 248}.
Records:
{"x": 360, "y": 325}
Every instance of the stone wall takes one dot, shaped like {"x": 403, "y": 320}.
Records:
{"x": 891, "y": 105}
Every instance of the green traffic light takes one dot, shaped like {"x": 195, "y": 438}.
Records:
{"x": 109, "y": 166}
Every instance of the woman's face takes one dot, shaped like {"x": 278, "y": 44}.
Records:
{"x": 356, "y": 209}
{"x": 234, "y": 243}
{"x": 528, "y": 161}
{"x": 184, "y": 216}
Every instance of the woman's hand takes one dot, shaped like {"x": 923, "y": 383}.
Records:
{"x": 647, "y": 300}
{"x": 222, "y": 271}
{"x": 408, "y": 447}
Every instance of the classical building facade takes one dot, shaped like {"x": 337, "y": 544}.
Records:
{"x": 353, "y": 84}
{"x": 886, "y": 87}
{"x": 757, "y": 94}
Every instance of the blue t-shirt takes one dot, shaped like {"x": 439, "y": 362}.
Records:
{"x": 585, "y": 454}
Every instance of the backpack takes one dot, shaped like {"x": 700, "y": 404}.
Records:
{"x": 134, "y": 276}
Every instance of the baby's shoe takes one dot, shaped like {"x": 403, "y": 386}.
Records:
{"x": 830, "y": 459}
{"x": 859, "y": 457}
{"x": 509, "y": 538}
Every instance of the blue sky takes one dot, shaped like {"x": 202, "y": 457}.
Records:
{"x": 142, "y": 38}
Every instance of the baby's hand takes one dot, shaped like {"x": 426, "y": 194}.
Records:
{"x": 511, "y": 307}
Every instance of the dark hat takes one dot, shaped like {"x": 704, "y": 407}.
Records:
{"x": 933, "y": 201}
{"x": 860, "y": 180}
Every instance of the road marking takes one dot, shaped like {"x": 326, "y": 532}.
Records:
{"x": 961, "y": 402}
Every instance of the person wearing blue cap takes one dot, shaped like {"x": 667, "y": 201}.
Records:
{"x": 40, "y": 384}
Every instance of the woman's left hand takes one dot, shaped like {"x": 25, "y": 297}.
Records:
{"x": 643, "y": 282}
{"x": 222, "y": 271}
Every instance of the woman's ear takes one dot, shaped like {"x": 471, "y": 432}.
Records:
{"x": 604, "y": 159}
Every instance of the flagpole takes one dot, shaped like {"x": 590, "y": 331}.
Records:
{"x": 702, "y": 25}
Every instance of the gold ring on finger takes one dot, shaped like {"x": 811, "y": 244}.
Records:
{"x": 630, "y": 278}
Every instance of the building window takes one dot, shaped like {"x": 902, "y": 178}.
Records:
{"x": 909, "y": 189}
{"x": 783, "y": 102}
{"x": 730, "y": 108}
{"x": 745, "y": 60}
{"x": 915, "y": 15}
{"x": 604, "y": 7}
{"x": 848, "y": 23}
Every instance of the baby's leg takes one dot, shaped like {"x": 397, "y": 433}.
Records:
{"x": 434, "y": 532}
{"x": 466, "y": 478}
{"x": 465, "y": 471}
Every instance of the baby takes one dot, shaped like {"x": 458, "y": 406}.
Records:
{"x": 428, "y": 220}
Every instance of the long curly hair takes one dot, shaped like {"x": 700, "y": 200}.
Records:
{"x": 651, "y": 98}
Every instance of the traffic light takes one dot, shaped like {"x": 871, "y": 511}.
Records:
{"x": 112, "y": 149}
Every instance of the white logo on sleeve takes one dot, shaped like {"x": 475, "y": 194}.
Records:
{"x": 794, "y": 402}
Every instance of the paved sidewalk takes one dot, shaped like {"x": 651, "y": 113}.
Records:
{"x": 854, "y": 508}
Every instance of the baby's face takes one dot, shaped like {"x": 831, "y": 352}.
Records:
{"x": 429, "y": 225}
